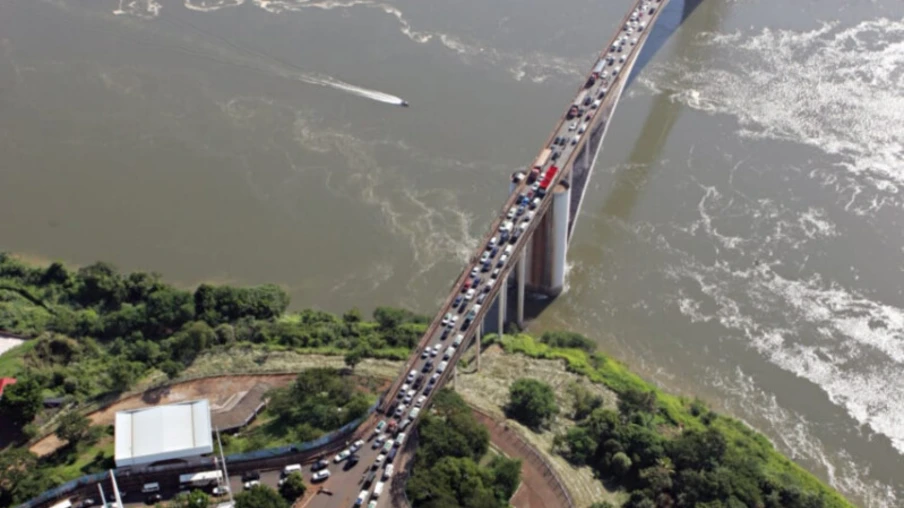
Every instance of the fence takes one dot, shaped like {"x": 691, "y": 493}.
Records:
{"x": 260, "y": 459}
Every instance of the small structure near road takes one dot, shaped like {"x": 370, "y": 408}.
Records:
{"x": 154, "y": 434}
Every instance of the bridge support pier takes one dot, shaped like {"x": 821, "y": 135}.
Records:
{"x": 520, "y": 282}
{"x": 501, "y": 305}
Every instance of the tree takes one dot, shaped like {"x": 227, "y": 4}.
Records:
{"x": 293, "y": 487}
{"x": 15, "y": 465}
{"x": 354, "y": 357}
{"x": 352, "y": 316}
{"x": 22, "y": 400}
{"x": 532, "y": 402}
{"x": 506, "y": 476}
{"x": 73, "y": 427}
{"x": 260, "y": 496}
{"x": 193, "y": 499}
{"x": 122, "y": 375}
{"x": 621, "y": 464}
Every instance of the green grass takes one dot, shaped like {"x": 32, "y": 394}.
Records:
{"x": 676, "y": 410}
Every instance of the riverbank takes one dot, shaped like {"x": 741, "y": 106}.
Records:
{"x": 101, "y": 335}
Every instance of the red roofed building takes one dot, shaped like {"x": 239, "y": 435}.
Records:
{"x": 4, "y": 381}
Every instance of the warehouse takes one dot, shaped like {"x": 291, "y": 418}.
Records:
{"x": 155, "y": 434}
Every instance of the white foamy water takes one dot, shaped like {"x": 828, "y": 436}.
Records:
{"x": 211, "y": 5}
{"x": 147, "y": 9}
{"x": 836, "y": 89}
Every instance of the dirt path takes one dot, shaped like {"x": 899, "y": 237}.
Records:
{"x": 539, "y": 487}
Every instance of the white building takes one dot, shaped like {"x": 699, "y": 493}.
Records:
{"x": 154, "y": 434}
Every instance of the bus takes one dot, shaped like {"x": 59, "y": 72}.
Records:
{"x": 202, "y": 479}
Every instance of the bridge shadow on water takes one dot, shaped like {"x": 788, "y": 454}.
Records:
{"x": 628, "y": 184}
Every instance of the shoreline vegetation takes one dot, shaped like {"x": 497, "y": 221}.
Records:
{"x": 98, "y": 334}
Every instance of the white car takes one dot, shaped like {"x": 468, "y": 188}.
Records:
{"x": 387, "y": 473}
{"x": 511, "y": 213}
{"x": 573, "y": 126}
{"x": 220, "y": 490}
{"x": 453, "y": 322}
{"x": 470, "y": 294}
{"x": 249, "y": 484}
{"x": 425, "y": 353}
{"x": 433, "y": 379}
{"x": 582, "y": 129}
{"x": 475, "y": 271}
{"x": 356, "y": 446}
{"x": 447, "y": 318}
{"x": 379, "y": 460}
{"x": 320, "y": 475}
{"x": 379, "y": 441}
{"x": 408, "y": 396}
{"x": 434, "y": 351}
{"x": 403, "y": 390}
{"x": 344, "y": 454}
{"x": 420, "y": 401}
{"x": 575, "y": 140}
{"x": 398, "y": 412}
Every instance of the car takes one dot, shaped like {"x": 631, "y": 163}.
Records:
{"x": 474, "y": 271}
{"x": 428, "y": 389}
{"x": 495, "y": 251}
{"x": 433, "y": 379}
{"x": 152, "y": 499}
{"x": 558, "y": 140}
{"x": 409, "y": 396}
{"x": 502, "y": 260}
{"x": 469, "y": 294}
{"x": 488, "y": 288}
{"x": 458, "y": 339}
{"x": 320, "y": 475}
{"x": 356, "y": 445}
{"x": 424, "y": 353}
{"x": 372, "y": 504}
{"x": 454, "y": 320}
{"x": 251, "y": 484}
{"x": 247, "y": 476}
{"x": 403, "y": 389}
{"x": 482, "y": 297}
{"x": 616, "y": 71}
{"x": 496, "y": 271}
{"x": 420, "y": 401}
{"x": 446, "y": 318}
{"x": 344, "y": 454}
{"x": 427, "y": 367}
{"x": 387, "y": 473}
{"x": 582, "y": 129}
{"x": 601, "y": 94}
{"x": 573, "y": 126}
{"x": 323, "y": 463}
{"x": 435, "y": 350}
{"x": 457, "y": 301}
{"x": 418, "y": 382}
{"x": 379, "y": 441}
{"x": 379, "y": 460}
{"x": 411, "y": 375}
{"x": 530, "y": 216}
{"x": 622, "y": 59}
{"x": 521, "y": 210}
{"x": 575, "y": 140}
{"x": 220, "y": 490}
{"x": 351, "y": 462}
{"x": 596, "y": 104}
{"x": 398, "y": 412}
{"x": 493, "y": 241}
{"x": 442, "y": 367}
{"x": 511, "y": 213}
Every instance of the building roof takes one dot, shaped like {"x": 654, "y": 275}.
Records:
{"x": 6, "y": 381}
{"x": 158, "y": 433}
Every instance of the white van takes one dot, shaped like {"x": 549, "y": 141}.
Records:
{"x": 291, "y": 468}
{"x": 442, "y": 367}
{"x": 387, "y": 472}
{"x": 508, "y": 250}
{"x": 378, "y": 489}
{"x": 449, "y": 352}
{"x": 148, "y": 488}
{"x": 362, "y": 498}
{"x": 458, "y": 338}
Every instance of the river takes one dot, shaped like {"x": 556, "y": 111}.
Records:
{"x": 741, "y": 239}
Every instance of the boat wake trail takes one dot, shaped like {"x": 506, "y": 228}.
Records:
{"x": 367, "y": 93}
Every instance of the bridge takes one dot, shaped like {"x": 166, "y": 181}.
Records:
{"x": 524, "y": 250}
